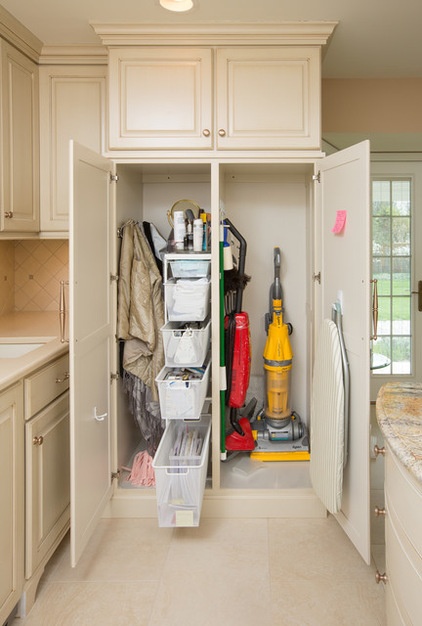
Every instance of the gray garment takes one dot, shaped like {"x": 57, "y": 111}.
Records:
{"x": 145, "y": 411}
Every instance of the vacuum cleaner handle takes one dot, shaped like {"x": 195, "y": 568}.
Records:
{"x": 242, "y": 260}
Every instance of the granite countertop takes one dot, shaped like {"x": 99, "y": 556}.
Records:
{"x": 35, "y": 327}
{"x": 399, "y": 415}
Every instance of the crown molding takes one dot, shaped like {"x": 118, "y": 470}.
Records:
{"x": 265, "y": 33}
{"x": 73, "y": 55}
{"x": 19, "y": 36}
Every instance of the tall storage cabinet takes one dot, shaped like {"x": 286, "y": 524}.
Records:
{"x": 277, "y": 193}
{"x": 72, "y": 107}
{"x": 19, "y": 172}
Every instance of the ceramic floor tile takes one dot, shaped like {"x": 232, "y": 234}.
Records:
{"x": 237, "y": 572}
{"x": 216, "y": 580}
{"x": 91, "y": 604}
{"x": 120, "y": 549}
{"x": 305, "y": 549}
{"x": 319, "y": 602}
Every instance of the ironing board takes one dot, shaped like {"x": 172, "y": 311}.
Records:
{"x": 327, "y": 432}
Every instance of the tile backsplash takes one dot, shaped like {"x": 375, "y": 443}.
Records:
{"x": 30, "y": 274}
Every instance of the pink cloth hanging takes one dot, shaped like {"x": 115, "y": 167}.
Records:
{"x": 142, "y": 473}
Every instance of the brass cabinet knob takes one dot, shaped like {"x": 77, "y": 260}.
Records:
{"x": 8, "y": 214}
{"x": 378, "y": 512}
{"x": 38, "y": 441}
{"x": 206, "y": 132}
{"x": 222, "y": 132}
{"x": 378, "y": 450}
{"x": 380, "y": 578}
{"x": 65, "y": 377}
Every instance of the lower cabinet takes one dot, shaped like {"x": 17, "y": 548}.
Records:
{"x": 403, "y": 544}
{"x": 11, "y": 499}
{"x": 34, "y": 481}
{"x": 47, "y": 482}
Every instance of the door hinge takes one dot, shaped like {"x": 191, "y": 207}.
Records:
{"x": 317, "y": 177}
{"x": 114, "y": 178}
{"x": 114, "y": 277}
{"x": 115, "y": 475}
{"x": 114, "y": 376}
{"x": 317, "y": 277}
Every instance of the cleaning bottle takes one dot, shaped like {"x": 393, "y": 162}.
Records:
{"x": 204, "y": 232}
{"x": 197, "y": 235}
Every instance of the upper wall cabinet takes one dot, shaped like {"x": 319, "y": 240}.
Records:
{"x": 72, "y": 107}
{"x": 160, "y": 98}
{"x": 19, "y": 170}
{"x": 253, "y": 87}
{"x": 268, "y": 98}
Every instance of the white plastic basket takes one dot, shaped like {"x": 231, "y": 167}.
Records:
{"x": 182, "y": 399}
{"x": 180, "y": 479}
{"x": 187, "y": 299}
{"x": 186, "y": 344}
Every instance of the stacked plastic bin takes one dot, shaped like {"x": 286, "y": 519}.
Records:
{"x": 181, "y": 460}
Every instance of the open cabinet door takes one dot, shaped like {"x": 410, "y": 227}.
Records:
{"x": 344, "y": 261}
{"x": 90, "y": 333}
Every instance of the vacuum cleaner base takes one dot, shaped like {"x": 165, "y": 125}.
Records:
{"x": 271, "y": 450}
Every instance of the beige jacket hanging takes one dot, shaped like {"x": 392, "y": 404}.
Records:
{"x": 140, "y": 310}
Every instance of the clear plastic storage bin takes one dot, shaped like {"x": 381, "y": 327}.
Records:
{"x": 190, "y": 268}
{"x": 182, "y": 391}
{"x": 187, "y": 299}
{"x": 186, "y": 343}
{"x": 180, "y": 466}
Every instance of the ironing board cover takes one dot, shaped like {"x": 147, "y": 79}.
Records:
{"x": 327, "y": 419}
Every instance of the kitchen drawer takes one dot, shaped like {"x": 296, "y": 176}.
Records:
{"x": 404, "y": 569}
{"x": 45, "y": 385}
{"x": 405, "y": 497}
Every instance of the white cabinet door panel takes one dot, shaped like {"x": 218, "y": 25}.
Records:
{"x": 344, "y": 262}
{"x": 268, "y": 98}
{"x": 160, "y": 98}
{"x": 91, "y": 332}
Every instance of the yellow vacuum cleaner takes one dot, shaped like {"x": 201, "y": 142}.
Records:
{"x": 279, "y": 432}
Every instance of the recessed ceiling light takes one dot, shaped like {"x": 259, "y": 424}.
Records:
{"x": 177, "y": 5}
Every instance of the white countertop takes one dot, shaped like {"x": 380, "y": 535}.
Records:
{"x": 32, "y": 326}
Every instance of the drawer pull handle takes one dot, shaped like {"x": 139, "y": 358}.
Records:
{"x": 379, "y": 512}
{"x": 38, "y": 441}
{"x": 101, "y": 417}
{"x": 378, "y": 450}
{"x": 61, "y": 380}
{"x": 380, "y": 578}
{"x": 8, "y": 215}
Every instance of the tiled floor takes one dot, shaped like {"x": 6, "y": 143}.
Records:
{"x": 246, "y": 572}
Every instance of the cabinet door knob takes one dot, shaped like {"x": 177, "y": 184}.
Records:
{"x": 206, "y": 132}
{"x": 38, "y": 441}
{"x": 222, "y": 132}
{"x": 65, "y": 377}
{"x": 378, "y": 512}
{"x": 378, "y": 450}
{"x": 8, "y": 214}
{"x": 380, "y": 578}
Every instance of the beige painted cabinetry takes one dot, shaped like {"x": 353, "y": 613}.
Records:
{"x": 72, "y": 101}
{"x": 11, "y": 499}
{"x": 47, "y": 483}
{"x": 34, "y": 480}
{"x": 19, "y": 173}
{"x": 403, "y": 540}
{"x": 234, "y": 98}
